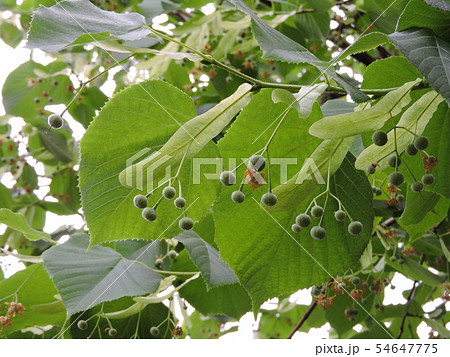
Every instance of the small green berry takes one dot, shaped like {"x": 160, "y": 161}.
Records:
{"x": 228, "y": 79}
{"x": 112, "y": 332}
{"x": 169, "y": 192}
{"x": 149, "y": 214}
{"x": 379, "y": 138}
{"x": 55, "y": 83}
{"x": 82, "y": 325}
{"x": 186, "y": 223}
{"x": 303, "y": 220}
{"x": 417, "y": 186}
{"x": 238, "y": 196}
{"x": 172, "y": 254}
{"x": 154, "y": 331}
{"x": 228, "y": 178}
{"x": 356, "y": 281}
{"x": 269, "y": 199}
{"x": 37, "y": 100}
{"x": 370, "y": 169}
{"x": 140, "y": 201}
{"x": 393, "y": 258}
{"x": 318, "y": 232}
{"x": 296, "y": 228}
{"x": 411, "y": 150}
{"x": 340, "y": 215}
{"x": 55, "y": 121}
{"x": 394, "y": 161}
{"x": 377, "y": 191}
{"x": 50, "y": 100}
{"x": 428, "y": 179}
{"x": 317, "y": 211}
{"x": 316, "y": 290}
{"x": 179, "y": 202}
{"x": 159, "y": 262}
{"x": 400, "y": 198}
{"x": 257, "y": 162}
{"x": 396, "y": 178}
{"x": 355, "y": 228}
{"x": 401, "y": 261}
{"x": 421, "y": 143}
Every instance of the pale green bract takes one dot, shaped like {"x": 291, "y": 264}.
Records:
{"x": 414, "y": 119}
{"x": 345, "y": 125}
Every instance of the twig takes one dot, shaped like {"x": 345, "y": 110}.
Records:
{"x": 303, "y": 319}
{"x": 408, "y": 302}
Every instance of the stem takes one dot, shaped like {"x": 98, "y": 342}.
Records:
{"x": 290, "y": 87}
{"x": 92, "y": 79}
{"x": 303, "y": 319}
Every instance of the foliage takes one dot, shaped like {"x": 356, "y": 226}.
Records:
{"x": 257, "y": 100}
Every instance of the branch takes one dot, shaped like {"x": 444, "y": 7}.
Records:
{"x": 408, "y": 302}
{"x": 303, "y": 319}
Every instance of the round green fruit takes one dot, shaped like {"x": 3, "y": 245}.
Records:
{"x": 396, "y": 178}
{"x": 428, "y": 179}
{"x": 370, "y": 169}
{"x": 317, "y": 211}
{"x": 154, "y": 331}
{"x": 186, "y": 223}
{"x": 112, "y": 332}
{"x": 82, "y": 325}
{"x": 296, "y": 228}
{"x": 394, "y": 161}
{"x": 340, "y": 215}
{"x": 269, "y": 199}
{"x": 159, "y": 262}
{"x": 140, "y": 201}
{"x": 179, "y": 202}
{"x": 172, "y": 254}
{"x": 400, "y": 198}
{"x": 318, "y": 232}
{"x": 356, "y": 281}
{"x": 417, "y": 186}
{"x": 55, "y": 121}
{"x": 257, "y": 162}
{"x": 238, "y": 196}
{"x": 355, "y": 228}
{"x": 149, "y": 214}
{"x": 379, "y": 138}
{"x": 411, "y": 150}
{"x": 229, "y": 79}
{"x": 169, "y": 192}
{"x": 303, "y": 220}
{"x": 421, "y": 143}
{"x": 228, "y": 178}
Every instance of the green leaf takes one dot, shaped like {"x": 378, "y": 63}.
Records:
{"x": 17, "y": 222}
{"x": 362, "y": 44}
{"x": 57, "y": 26}
{"x": 437, "y": 214}
{"x": 393, "y": 70}
{"x": 271, "y": 261}
{"x": 444, "y": 249}
{"x": 420, "y": 14}
{"x": 29, "y": 81}
{"x": 277, "y": 46}
{"x": 302, "y": 101}
{"x": 437, "y": 326}
{"x": 345, "y": 125}
{"x": 85, "y": 279}
{"x": 188, "y": 140}
{"x": 90, "y": 100}
{"x": 198, "y": 326}
{"x": 136, "y": 121}
{"x": 214, "y": 270}
{"x": 415, "y": 119}
{"x": 414, "y": 270}
{"x": 5, "y": 197}
{"x": 35, "y": 290}
{"x": 229, "y": 300}
{"x": 64, "y": 188}
{"x": 56, "y": 143}
{"x": 429, "y": 54}
{"x": 337, "y": 106}
{"x": 327, "y": 157}
{"x": 417, "y": 206}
